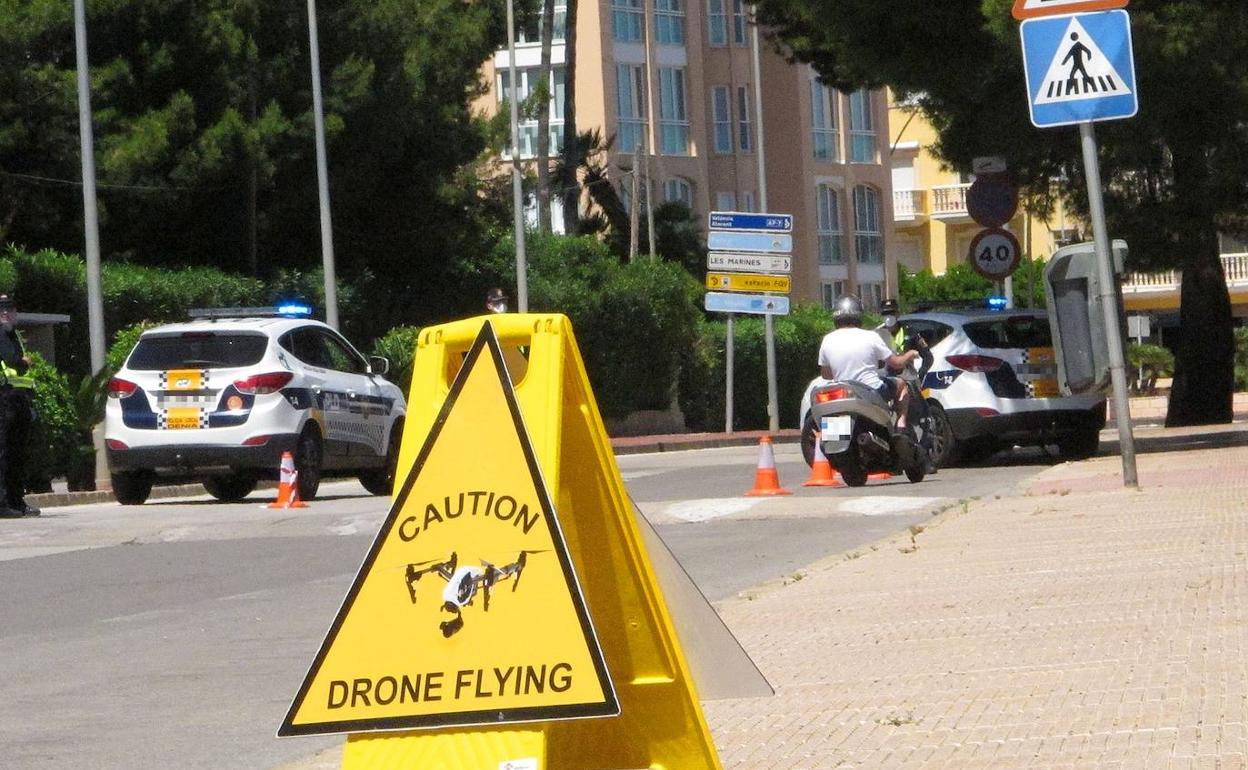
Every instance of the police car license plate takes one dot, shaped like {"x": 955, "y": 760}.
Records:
{"x": 833, "y": 428}
{"x": 182, "y": 418}
{"x": 1046, "y": 389}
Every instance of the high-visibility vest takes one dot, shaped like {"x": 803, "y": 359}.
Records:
{"x": 9, "y": 376}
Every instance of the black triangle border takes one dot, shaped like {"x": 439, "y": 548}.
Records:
{"x": 492, "y": 717}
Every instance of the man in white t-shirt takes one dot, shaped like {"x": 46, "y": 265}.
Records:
{"x": 853, "y": 353}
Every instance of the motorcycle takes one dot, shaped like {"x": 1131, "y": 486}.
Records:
{"x": 859, "y": 435}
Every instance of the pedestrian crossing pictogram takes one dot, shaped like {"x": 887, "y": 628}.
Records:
{"x": 1080, "y": 70}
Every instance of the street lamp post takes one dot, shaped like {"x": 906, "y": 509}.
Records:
{"x": 517, "y": 186}
{"x": 86, "y": 137}
{"x": 322, "y": 174}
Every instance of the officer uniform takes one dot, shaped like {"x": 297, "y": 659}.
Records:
{"x": 16, "y": 413}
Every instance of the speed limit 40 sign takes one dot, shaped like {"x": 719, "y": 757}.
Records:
{"x": 995, "y": 253}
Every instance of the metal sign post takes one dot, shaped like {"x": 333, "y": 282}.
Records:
{"x": 1117, "y": 363}
{"x": 755, "y": 243}
{"x": 1080, "y": 68}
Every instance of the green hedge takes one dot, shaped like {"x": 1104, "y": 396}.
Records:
{"x": 702, "y": 386}
{"x": 51, "y": 282}
{"x": 632, "y": 321}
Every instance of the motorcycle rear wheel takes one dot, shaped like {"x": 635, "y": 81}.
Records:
{"x": 850, "y": 467}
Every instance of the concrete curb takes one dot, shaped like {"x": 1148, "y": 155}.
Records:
{"x": 59, "y": 499}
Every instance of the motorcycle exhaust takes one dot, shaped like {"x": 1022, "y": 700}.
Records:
{"x": 867, "y": 437}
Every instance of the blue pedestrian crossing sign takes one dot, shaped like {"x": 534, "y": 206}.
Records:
{"x": 1079, "y": 68}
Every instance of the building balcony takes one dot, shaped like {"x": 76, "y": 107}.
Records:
{"x": 1144, "y": 284}
{"x": 949, "y": 202}
{"x": 908, "y": 207}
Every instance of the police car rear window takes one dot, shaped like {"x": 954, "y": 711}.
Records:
{"x": 1011, "y": 332}
{"x": 197, "y": 350}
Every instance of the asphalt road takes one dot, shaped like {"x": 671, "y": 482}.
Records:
{"x": 174, "y": 635}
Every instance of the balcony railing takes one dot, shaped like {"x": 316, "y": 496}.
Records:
{"x": 907, "y": 205}
{"x": 1234, "y": 265}
{"x": 949, "y": 200}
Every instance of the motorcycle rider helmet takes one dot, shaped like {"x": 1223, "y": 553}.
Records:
{"x": 847, "y": 311}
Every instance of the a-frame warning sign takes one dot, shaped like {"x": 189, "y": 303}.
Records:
{"x": 467, "y": 610}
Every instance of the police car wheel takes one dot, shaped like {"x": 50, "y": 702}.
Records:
{"x": 809, "y": 432}
{"x": 944, "y": 445}
{"x": 380, "y": 481}
{"x": 308, "y": 457}
{"x": 132, "y": 487}
{"x": 231, "y": 488}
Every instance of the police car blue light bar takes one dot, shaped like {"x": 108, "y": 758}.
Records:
{"x": 998, "y": 303}
{"x": 285, "y": 310}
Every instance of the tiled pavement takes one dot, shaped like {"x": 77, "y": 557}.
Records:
{"x": 1081, "y": 625}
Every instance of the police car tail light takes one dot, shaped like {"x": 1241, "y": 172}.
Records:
{"x": 113, "y": 443}
{"x": 831, "y": 394}
{"x": 119, "y": 388}
{"x": 972, "y": 363}
{"x": 263, "y": 384}
{"x": 257, "y": 441}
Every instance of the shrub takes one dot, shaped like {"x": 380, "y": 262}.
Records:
{"x": 1146, "y": 363}
{"x": 1241, "y": 358}
{"x": 399, "y": 346}
{"x": 797, "y": 361}
{"x": 53, "y": 439}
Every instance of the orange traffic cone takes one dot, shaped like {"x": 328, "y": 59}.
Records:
{"x": 288, "y": 485}
{"x": 822, "y": 474}
{"x": 766, "y": 478}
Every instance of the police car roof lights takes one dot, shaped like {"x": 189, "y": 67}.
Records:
{"x": 997, "y": 303}
{"x": 285, "y": 310}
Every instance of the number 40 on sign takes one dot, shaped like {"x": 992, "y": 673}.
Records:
{"x": 994, "y": 253}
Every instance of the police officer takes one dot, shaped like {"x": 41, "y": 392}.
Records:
{"x": 898, "y": 341}
{"x": 496, "y": 301}
{"x": 16, "y": 413}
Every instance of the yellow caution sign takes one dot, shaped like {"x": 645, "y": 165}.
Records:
{"x": 467, "y": 609}
{"x": 584, "y": 555}
{"x": 748, "y": 282}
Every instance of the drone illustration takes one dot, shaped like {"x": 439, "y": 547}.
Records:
{"x": 462, "y": 583}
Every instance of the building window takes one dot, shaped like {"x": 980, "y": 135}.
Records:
{"x": 828, "y": 224}
{"x": 871, "y": 295}
{"x": 825, "y": 138}
{"x": 721, "y": 120}
{"x": 669, "y": 22}
{"x": 628, "y": 20}
{"x": 528, "y": 78}
{"x": 830, "y": 292}
{"x": 738, "y": 22}
{"x": 868, "y": 238}
{"x": 748, "y": 205}
{"x": 725, "y": 201}
{"x": 630, "y": 82}
{"x": 677, "y": 190}
{"x": 744, "y": 139}
{"x": 673, "y": 115}
{"x": 532, "y": 31}
{"x": 861, "y": 127}
{"x": 717, "y": 23}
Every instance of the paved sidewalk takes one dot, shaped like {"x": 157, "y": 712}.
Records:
{"x": 1080, "y": 625}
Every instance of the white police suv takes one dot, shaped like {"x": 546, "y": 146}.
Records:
{"x": 220, "y": 398}
{"x": 992, "y": 384}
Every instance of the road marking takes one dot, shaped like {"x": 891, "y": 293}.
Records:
{"x": 711, "y": 508}
{"x": 884, "y": 505}
{"x": 641, "y": 474}
{"x": 355, "y": 525}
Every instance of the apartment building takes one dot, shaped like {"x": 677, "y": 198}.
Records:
{"x": 673, "y": 80}
{"x": 933, "y": 228}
